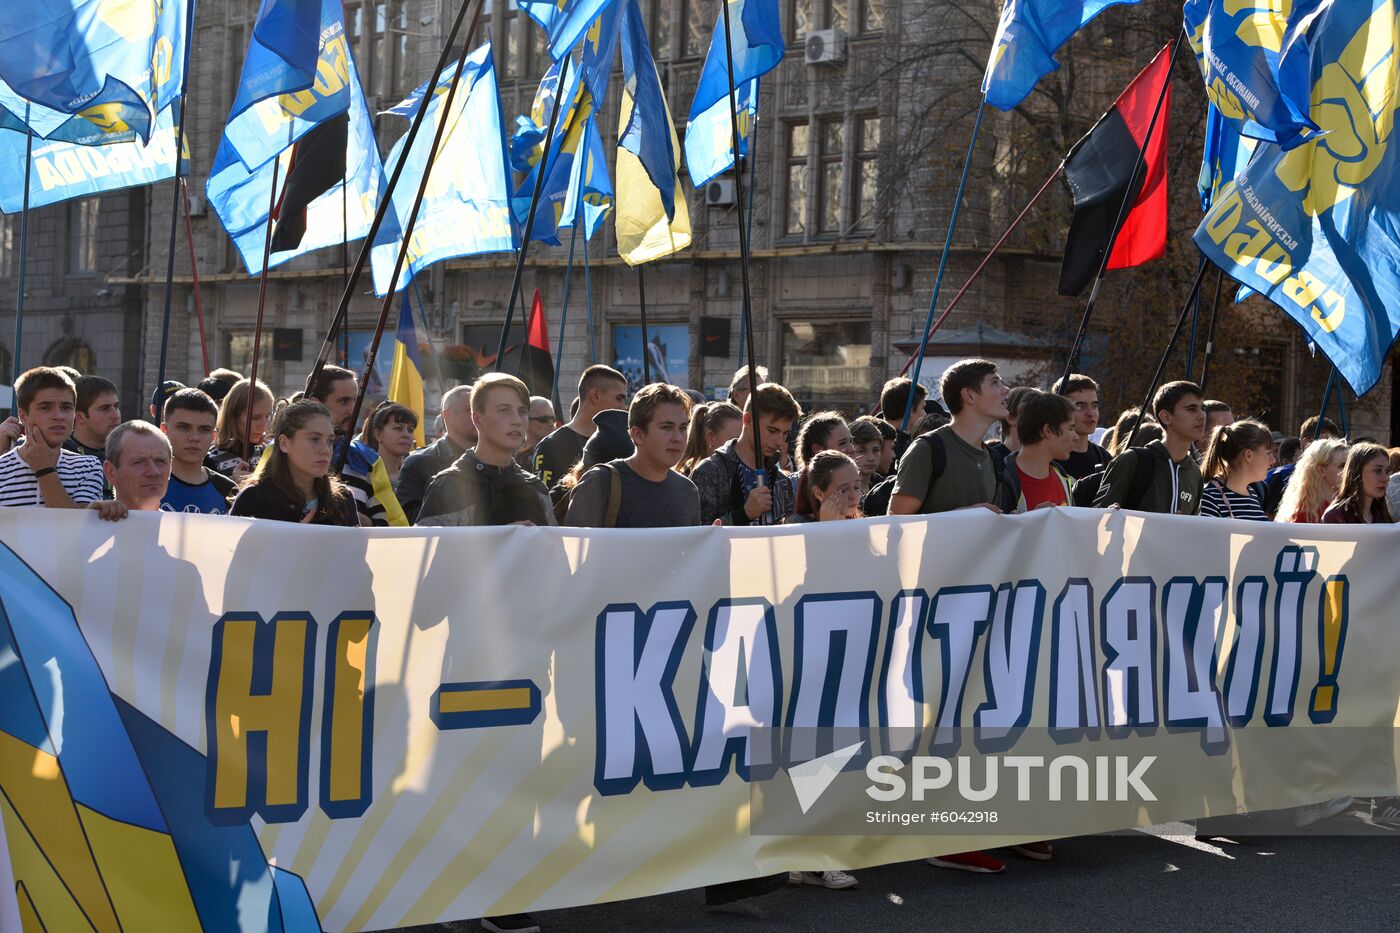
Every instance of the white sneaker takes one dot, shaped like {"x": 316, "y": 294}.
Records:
{"x": 832, "y": 880}
{"x": 1316, "y": 812}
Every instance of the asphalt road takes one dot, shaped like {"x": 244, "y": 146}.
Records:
{"x": 1154, "y": 879}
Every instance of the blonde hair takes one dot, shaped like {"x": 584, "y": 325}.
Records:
{"x": 233, "y": 414}
{"x": 1306, "y": 493}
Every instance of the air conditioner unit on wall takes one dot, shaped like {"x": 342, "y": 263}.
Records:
{"x": 720, "y": 193}
{"x": 825, "y": 47}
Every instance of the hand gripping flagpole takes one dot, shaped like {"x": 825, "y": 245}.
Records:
{"x": 530, "y": 215}
{"x": 23, "y": 252}
{"x": 342, "y": 311}
{"x": 1128, "y": 196}
{"x": 1166, "y": 354}
{"x": 942, "y": 264}
{"x": 746, "y": 309}
{"x": 407, "y": 238}
{"x": 175, "y": 199}
{"x": 262, "y": 299}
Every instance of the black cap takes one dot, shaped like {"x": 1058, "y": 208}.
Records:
{"x": 610, "y": 441}
{"x": 163, "y": 392}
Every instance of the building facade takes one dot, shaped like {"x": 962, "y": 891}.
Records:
{"x": 847, "y": 203}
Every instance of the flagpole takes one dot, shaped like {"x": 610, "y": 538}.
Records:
{"x": 588, "y": 304}
{"x": 1166, "y": 354}
{"x": 746, "y": 309}
{"x": 404, "y": 243}
{"x": 1342, "y": 407}
{"x": 23, "y": 252}
{"x": 345, "y": 254}
{"x": 943, "y": 261}
{"x": 1128, "y": 196}
{"x": 194, "y": 274}
{"x": 427, "y": 331}
{"x": 1210, "y": 330}
{"x": 564, "y": 312}
{"x": 1326, "y": 398}
{"x": 642, "y": 306}
{"x": 977, "y": 273}
{"x": 753, "y": 184}
{"x": 175, "y": 200}
{"x": 1191, "y": 344}
{"x": 530, "y": 215}
{"x": 342, "y": 311}
{"x": 262, "y": 300}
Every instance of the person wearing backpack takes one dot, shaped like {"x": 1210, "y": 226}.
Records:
{"x": 643, "y": 490}
{"x": 952, "y": 467}
{"x": 1161, "y": 477}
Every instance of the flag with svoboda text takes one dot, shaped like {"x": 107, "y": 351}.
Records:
{"x": 211, "y": 722}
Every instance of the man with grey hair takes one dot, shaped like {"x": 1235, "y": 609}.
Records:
{"x": 138, "y": 465}
{"x": 459, "y": 436}
{"x": 542, "y": 422}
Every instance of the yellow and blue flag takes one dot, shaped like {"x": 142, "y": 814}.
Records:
{"x": 342, "y": 150}
{"x": 758, "y": 48}
{"x": 297, "y": 74}
{"x": 1029, "y": 34}
{"x": 406, "y": 378}
{"x": 1238, "y": 45}
{"x": 1312, "y": 228}
{"x": 599, "y": 50}
{"x": 114, "y": 64}
{"x": 564, "y": 21}
{"x": 572, "y": 137}
{"x": 466, "y": 208}
{"x": 652, "y": 221}
{"x": 1226, "y": 153}
{"x": 590, "y": 195}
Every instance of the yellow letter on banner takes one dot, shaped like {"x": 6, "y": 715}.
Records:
{"x": 347, "y": 716}
{"x": 257, "y": 716}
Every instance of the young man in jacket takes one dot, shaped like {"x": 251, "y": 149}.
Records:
{"x": 736, "y": 490}
{"x": 1161, "y": 477}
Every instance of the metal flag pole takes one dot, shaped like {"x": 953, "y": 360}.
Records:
{"x": 175, "y": 200}
{"x": 404, "y": 243}
{"x": 588, "y": 304}
{"x": 642, "y": 307}
{"x": 1210, "y": 331}
{"x": 534, "y": 206}
{"x": 746, "y": 309}
{"x": 23, "y": 252}
{"x": 1139, "y": 167}
{"x": 262, "y": 301}
{"x": 342, "y": 311}
{"x": 1166, "y": 354}
{"x": 1191, "y": 344}
{"x": 564, "y": 311}
{"x": 344, "y": 259}
{"x": 977, "y": 273}
{"x": 753, "y": 184}
{"x": 1326, "y": 398}
{"x": 427, "y": 332}
{"x": 194, "y": 275}
{"x": 943, "y": 261}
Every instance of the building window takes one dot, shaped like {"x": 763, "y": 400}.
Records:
{"x": 82, "y": 236}
{"x": 872, "y": 15}
{"x": 699, "y": 27}
{"x": 804, "y": 16}
{"x": 657, "y": 16}
{"x": 238, "y": 352}
{"x": 865, "y": 173}
{"x": 9, "y": 246}
{"x": 826, "y": 364}
{"x": 832, "y": 142}
{"x": 795, "y": 222}
{"x": 378, "y": 33}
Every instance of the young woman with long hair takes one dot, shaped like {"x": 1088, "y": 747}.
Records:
{"x": 389, "y": 431}
{"x": 712, "y": 425}
{"x": 294, "y": 484}
{"x": 1361, "y": 499}
{"x": 1238, "y": 456}
{"x": 227, "y": 454}
{"x": 829, "y": 489}
{"x": 1315, "y": 482}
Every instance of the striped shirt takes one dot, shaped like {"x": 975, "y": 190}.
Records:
{"x": 1219, "y": 501}
{"x": 81, "y": 476}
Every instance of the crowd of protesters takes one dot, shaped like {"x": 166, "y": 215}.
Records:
{"x": 666, "y": 458}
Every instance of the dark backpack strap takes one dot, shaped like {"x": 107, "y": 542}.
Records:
{"x": 1144, "y": 464}
{"x": 614, "y": 497}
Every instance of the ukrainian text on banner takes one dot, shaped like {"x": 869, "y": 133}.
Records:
{"x": 209, "y": 720}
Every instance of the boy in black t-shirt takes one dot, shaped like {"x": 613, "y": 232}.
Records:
{"x": 1085, "y": 456}
{"x": 189, "y": 424}
{"x": 600, "y": 388}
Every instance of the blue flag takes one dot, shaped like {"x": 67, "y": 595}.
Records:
{"x": 240, "y": 197}
{"x": 590, "y": 194}
{"x": 1238, "y": 47}
{"x": 600, "y": 50}
{"x": 1313, "y": 228}
{"x": 1028, "y": 36}
{"x": 296, "y": 75}
{"x": 564, "y": 21}
{"x": 647, "y": 132}
{"x": 527, "y": 149}
{"x": 1225, "y": 156}
{"x": 64, "y": 170}
{"x": 466, "y": 209}
{"x": 758, "y": 47}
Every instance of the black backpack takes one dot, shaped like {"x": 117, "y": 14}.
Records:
{"x": 1086, "y": 490}
{"x": 877, "y": 500}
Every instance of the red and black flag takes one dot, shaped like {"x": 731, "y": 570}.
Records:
{"x": 1099, "y": 170}
{"x": 317, "y": 165}
{"x": 536, "y": 366}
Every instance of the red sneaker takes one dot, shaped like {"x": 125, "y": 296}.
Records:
{"x": 979, "y": 862}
